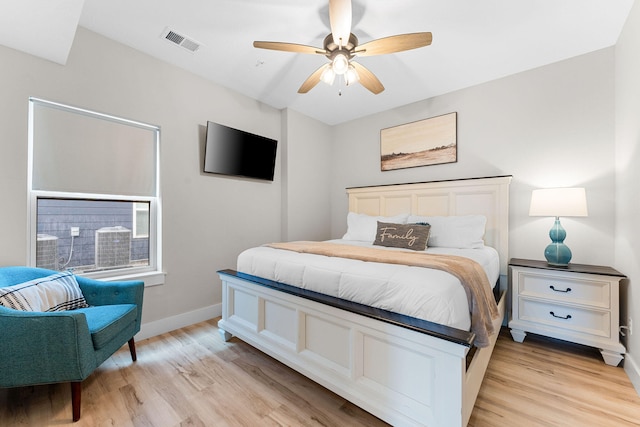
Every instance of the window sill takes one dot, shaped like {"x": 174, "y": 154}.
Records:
{"x": 150, "y": 278}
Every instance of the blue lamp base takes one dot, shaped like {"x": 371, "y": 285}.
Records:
{"x": 557, "y": 253}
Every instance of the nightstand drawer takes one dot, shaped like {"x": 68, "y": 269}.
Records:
{"x": 577, "y": 290}
{"x": 576, "y": 319}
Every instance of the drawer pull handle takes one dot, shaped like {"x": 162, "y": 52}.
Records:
{"x": 568, "y": 316}
{"x": 559, "y": 290}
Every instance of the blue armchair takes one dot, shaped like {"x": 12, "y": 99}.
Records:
{"x": 66, "y": 346}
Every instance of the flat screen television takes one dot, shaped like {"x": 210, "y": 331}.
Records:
{"x": 235, "y": 152}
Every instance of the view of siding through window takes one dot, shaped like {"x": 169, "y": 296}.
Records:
{"x": 92, "y": 235}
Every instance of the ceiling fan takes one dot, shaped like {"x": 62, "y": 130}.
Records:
{"x": 341, "y": 47}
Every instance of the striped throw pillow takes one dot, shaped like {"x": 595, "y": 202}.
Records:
{"x": 57, "y": 292}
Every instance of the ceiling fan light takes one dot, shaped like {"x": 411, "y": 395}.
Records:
{"x": 351, "y": 76}
{"x": 340, "y": 63}
{"x": 328, "y": 76}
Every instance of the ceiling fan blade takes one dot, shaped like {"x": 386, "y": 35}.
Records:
{"x": 340, "y": 19}
{"x": 394, "y": 44}
{"x": 368, "y": 79}
{"x": 313, "y": 79}
{"x": 290, "y": 47}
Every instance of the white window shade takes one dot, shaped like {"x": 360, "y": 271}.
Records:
{"x": 79, "y": 151}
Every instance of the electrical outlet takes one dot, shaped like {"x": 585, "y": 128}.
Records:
{"x": 75, "y": 231}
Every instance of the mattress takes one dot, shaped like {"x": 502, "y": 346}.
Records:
{"x": 428, "y": 294}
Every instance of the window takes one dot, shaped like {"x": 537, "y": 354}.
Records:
{"x": 140, "y": 220}
{"x": 94, "y": 196}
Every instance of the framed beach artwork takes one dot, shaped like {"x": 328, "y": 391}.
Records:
{"x": 426, "y": 142}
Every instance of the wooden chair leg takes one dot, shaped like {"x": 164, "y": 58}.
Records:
{"x": 76, "y": 393}
{"x": 132, "y": 349}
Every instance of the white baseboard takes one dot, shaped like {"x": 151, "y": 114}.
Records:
{"x": 158, "y": 327}
{"x": 632, "y": 369}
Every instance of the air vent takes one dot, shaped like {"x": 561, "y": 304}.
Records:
{"x": 180, "y": 40}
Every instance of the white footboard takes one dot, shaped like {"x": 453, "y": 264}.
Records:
{"x": 402, "y": 376}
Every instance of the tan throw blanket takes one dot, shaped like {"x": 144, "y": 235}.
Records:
{"x": 482, "y": 304}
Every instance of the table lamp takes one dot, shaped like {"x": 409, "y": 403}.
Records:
{"x": 558, "y": 202}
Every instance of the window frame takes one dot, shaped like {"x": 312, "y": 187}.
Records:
{"x": 152, "y": 274}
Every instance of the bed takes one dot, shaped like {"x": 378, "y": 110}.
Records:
{"x": 404, "y": 369}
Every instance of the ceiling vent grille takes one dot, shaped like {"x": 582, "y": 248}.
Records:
{"x": 180, "y": 40}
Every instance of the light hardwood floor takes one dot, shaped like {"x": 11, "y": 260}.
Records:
{"x": 191, "y": 377}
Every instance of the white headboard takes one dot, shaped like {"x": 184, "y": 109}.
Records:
{"x": 475, "y": 196}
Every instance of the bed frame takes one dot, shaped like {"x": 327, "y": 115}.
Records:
{"x": 403, "y": 370}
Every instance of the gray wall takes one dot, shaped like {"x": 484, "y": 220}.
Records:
{"x": 305, "y": 167}
{"x": 628, "y": 179}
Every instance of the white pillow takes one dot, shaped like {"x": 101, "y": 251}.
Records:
{"x": 363, "y": 227}
{"x": 57, "y": 292}
{"x": 464, "y": 232}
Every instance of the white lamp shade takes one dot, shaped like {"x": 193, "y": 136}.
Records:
{"x": 351, "y": 76}
{"x": 328, "y": 76}
{"x": 558, "y": 202}
{"x": 340, "y": 63}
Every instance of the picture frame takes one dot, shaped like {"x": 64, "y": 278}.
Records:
{"x": 431, "y": 141}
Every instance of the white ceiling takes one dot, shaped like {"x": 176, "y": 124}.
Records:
{"x": 474, "y": 41}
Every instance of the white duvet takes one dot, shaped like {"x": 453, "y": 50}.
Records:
{"x": 427, "y": 294}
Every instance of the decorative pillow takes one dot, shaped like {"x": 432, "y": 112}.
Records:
{"x": 57, "y": 292}
{"x": 362, "y": 227}
{"x": 464, "y": 232}
{"x": 407, "y": 236}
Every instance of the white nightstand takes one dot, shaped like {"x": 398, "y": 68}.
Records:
{"x": 579, "y": 303}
